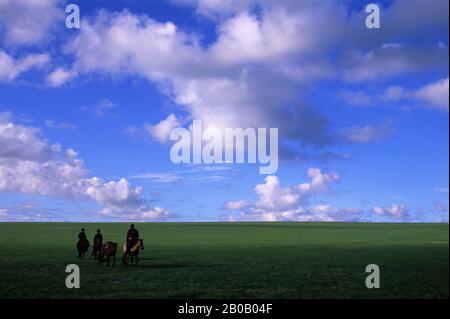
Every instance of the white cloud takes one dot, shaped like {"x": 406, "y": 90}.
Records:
{"x": 256, "y": 70}
{"x": 11, "y": 68}
{"x": 161, "y": 131}
{"x": 276, "y": 202}
{"x": 211, "y": 85}
{"x": 60, "y": 76}
{"x": 393, "y": 94}
{"x": 400, "y": 18}
{"x": 257, "y": 65}
{"x": 234, "y": 205}
{"x": 29, "y": 22}
{"x": 395, "y": 211}
{"x": 366, "y": 133}
{"x": 29, "y": 164}
{"x": 319, "y": 180}
{"x": 155, "y": 213}
{"x": 22, "y": 142}
{"x": 272, "y": 196}
{"x": 435, "y": 95}
{"x": 278, "y": 34}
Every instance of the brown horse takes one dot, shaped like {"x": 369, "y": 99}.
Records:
{"x": 82, "y": 247}
{"x": 108, "y": 251}
{"x": 134, "y": 252}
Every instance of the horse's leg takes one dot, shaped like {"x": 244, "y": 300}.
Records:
{"x": 114, "y": 261}
{"x": 137, "y": 259}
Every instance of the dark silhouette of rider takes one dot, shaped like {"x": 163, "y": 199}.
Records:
{"x": 98, "y": 238}
{"x": 132, "y": 237}
{"x": 98, "y": 242}
{"x": 82, "y": 241}
{"x": 82, "y": 234}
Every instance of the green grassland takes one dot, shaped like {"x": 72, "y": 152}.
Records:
{"x": 231, "y": 260}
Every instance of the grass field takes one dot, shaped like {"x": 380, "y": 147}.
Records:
{"x": 231, "y": 260}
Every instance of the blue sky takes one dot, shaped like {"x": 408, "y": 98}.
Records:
{"x": 85, "y": 114}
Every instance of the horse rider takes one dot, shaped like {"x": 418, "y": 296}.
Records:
{"x": 82, "y": 234}
{"x": 83, "y": 243}
{"x": 132, "y": 237}
{"x": 98, "y": 238}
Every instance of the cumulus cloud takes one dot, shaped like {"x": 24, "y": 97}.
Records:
{"x": 161, "y": 131}
{"x": 60, "y": 76}
{"x": 234, "y": 205}
{"x": 276, "y": 202}
{"x": 395, "y": 211}
{"x": 29, "y": 164}
{"x": 220, "y": 89}
{"x": 28, "y": 22}
{"x": 11, "y": 68}
{"x": 400, "y": 18}
{"x": 252, "y": 74}
{"x": 435, "y": 95}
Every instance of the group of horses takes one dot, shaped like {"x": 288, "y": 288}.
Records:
{"x": 107, "y": 252}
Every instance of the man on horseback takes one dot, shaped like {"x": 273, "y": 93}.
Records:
{"x": 82, "y": 234}
{"x": 82, "y": 244}
{"x": 132, "y": 238}
{"x": 98, "y": 242}
{"x": 98, "y": 238}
